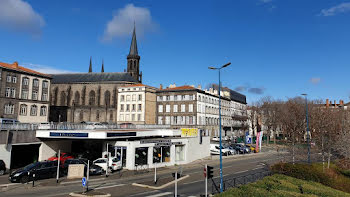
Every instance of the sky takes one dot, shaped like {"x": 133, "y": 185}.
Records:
{"x": 277, "y": 48}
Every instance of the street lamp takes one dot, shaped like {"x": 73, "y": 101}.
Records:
{"x": 214, "y": 68}
{"x": 307, "y": 129}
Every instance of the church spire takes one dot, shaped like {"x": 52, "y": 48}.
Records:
{"x": 133, "y": 46}
{"x": 102, "y": 68}
{"x": 90, "y": 67}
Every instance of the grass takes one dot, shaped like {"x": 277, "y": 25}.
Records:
{"x": 280, "y": 185}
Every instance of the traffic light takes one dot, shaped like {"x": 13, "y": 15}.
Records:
{"x": 210, "y": 171}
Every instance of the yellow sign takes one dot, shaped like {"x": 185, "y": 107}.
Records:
{"x": 189, "y": 132}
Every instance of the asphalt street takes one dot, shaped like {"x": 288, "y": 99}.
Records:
{"x": 121, "y": 184}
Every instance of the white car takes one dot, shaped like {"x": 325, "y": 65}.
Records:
{"x": 44, "y": 125}
{"x": 114, "y": 163}
{"x": 215, "y": 150}
{"x": 95, "y": 125}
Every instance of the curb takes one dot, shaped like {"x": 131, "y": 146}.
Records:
{"x": 162, "y": 186}
{"x": 85, "y": 195}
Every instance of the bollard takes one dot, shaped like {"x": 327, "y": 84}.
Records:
{"x": 33, "y": 179}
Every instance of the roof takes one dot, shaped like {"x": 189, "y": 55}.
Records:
{"x": 133, "y": 46}
{"x": 235, "y": 96}
{"x": 92, "y": 77}
{"x": 137, "y": 85}
{"x": 185, "y": 87}
{"x": 18, "y": 68}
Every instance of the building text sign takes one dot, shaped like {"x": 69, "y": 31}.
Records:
{"x": 189, "y": 132}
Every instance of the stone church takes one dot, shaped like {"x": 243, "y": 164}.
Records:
{"x": 92, "y": 96}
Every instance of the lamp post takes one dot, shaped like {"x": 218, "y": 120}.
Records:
{"x": 307, "y": 129}
{"x": 214, "y": 68}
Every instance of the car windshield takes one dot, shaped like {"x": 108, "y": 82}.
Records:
{"x": 31, "y": 166}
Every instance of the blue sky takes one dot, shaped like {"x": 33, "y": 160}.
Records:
{"x": 278, "y": 48}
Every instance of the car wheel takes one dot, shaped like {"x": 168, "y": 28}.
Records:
{"x": 2, "y": 172}
{"x": 24, "y": 179}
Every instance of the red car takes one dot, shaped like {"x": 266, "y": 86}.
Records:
{"x": 63, "y": 158}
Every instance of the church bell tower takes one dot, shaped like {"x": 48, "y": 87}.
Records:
{"x": 134, "y": 60}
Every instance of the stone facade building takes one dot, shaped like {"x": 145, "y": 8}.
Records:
{"x": 24, "y": 94}
{"x": 92, "y": 97}
{"x": 190, "y": 107}
{"x": 137, "y": 104}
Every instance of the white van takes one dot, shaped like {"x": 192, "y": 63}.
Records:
{"x": 215, "y": 150}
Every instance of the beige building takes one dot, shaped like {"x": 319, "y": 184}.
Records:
{"x": 136, "y": 104}
{"x": 24, "y": 94}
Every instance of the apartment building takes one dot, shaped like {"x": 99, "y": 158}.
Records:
{"x": 136, "y": 104}
{"x": 24, "y": 93}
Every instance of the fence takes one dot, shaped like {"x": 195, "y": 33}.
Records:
{"x": 239, "y": 180}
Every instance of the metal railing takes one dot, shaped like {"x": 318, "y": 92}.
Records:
{"x": 238, "y": 181}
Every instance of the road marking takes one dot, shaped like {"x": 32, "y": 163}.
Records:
{"x": 79, "y": 181}
{"x": 9, "y": 184}
{"x": 161, "y": 194}
{"x": 109, "y": 186}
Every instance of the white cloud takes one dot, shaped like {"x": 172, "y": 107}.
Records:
{"x": 265, "y": 1}
{"x": 341, "y": 8}
{"x": 18, "y": 15}
{"x": 45, "y": 69}
{"x": 315, "y": 80}
{"x": 123, "y": 20}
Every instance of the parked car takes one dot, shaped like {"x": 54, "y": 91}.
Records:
{"x": 215, "y": 150}
{"x": 2, "y": 167}
{"x": 42, "y": 170}
{"x": 95, "y": 125}
{"x": 95, "y": 170}
{"x": 114, "y": 163}
{"x": 63, "y": 157}
{"x": 241, "y": 148}
{"x": 232, "y": 150}
{"x": 252, "y": 148}
{"x": 126, "y": 125}
{"x": 73, "y": 161}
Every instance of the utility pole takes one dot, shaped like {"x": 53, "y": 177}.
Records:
{"x": 307, "y": 130}
{"x": 58, "y": 165}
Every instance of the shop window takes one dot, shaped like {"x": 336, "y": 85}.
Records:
{"x": 161, "y": 154}
{"x": 141, "y": 156}
{"x": 180, "y": 153}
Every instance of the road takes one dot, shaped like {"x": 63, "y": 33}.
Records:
{"x": 121, "y": 184}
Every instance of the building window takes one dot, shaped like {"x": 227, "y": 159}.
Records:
{"x": 8, "y": 92}
{"x": 122, "y": 117}
{"x": 133, "y": 117}
{"x": 160, "y": 108}
{"x": 23, "y": 110}
{"x": 134, "y": 97}
{"x": 127, "y": 107}
{"x": 76, "y": 98}
{"x": 13, "y": 92}
{"x": 175, "y": 98}
{"x": 45, "y": 84}
{"x": 191, "y": 97}
{"x": 107, "y": 98}
{"x": 92, "y": 98}
{"x": 8, "y": 78}
{"x": 179, "y": 153}
{"x": 175, "y": 107}
{"x": 127, "y": 117}
{"x": 122, "y": 107}
{"x": 97, "y": 115}
{"x": 122, "y": 98}
{"x": 167, "y": 108}
{"x": 128, "y": 98}
{"x": 190, "y": 108}
{"x": 133, "y": 107}
{"x": 139, "y": 117}
{"x": 168, "y": 98}
{"x": 141, "y": 156}
{"x": 9, "y": 109}
{"x": 183, "y": 97}
{"x": 24, "y": 94}
{"x": 35, "y": 83}
{"x": 191, "y": 120}
{"x": 183, "y": 108}
{"x": 25, "y": 81}
{"x": 43, "y": 110}
{"x": 160, "y": 119}
{"x": 199, "y": 98}
{"x": 140, "y": 97}
{"x": 139, "y": 107}
{"x": 81, "y": 115}
{"x": 111, "y": 116}
{"x": 167, "y": 120}
{"x": 14, "y": 79}
{"x": 33, "y": 110}
{"x": 44, "y": 98}
{"x": 35, "y": 95}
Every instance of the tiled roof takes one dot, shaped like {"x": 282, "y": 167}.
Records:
{"x": 137, "y": 85}
{"x": 185, "y": 87}
{"x": 18, "y": 68}
{"x": 92, "y": 78}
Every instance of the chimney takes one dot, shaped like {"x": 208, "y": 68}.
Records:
{"x": 327, "y": 103}
{"x": 15, "y": 64}
{"x": 335, "y": 103}
{"x": 199, "y": 87}
{"x": 160, "y": 86}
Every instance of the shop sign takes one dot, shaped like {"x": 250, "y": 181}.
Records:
{"x": 121, "y": 134}
{"x": 56, "y": 134}
{"x": 189, "y": 132}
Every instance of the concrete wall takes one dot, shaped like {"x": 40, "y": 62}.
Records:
{"x": 50, "y": 148}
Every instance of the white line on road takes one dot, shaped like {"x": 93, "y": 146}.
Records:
{"x": 109, "y": 186}
{"x": 8, "y": 184}
{"x": 161, "y": 194}
{"x": 79, "y": 181}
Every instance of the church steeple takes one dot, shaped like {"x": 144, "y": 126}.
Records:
{"x": 134, "y": 59}
{"x": 90, "y": 67}
{"x": 102, "y": 68}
